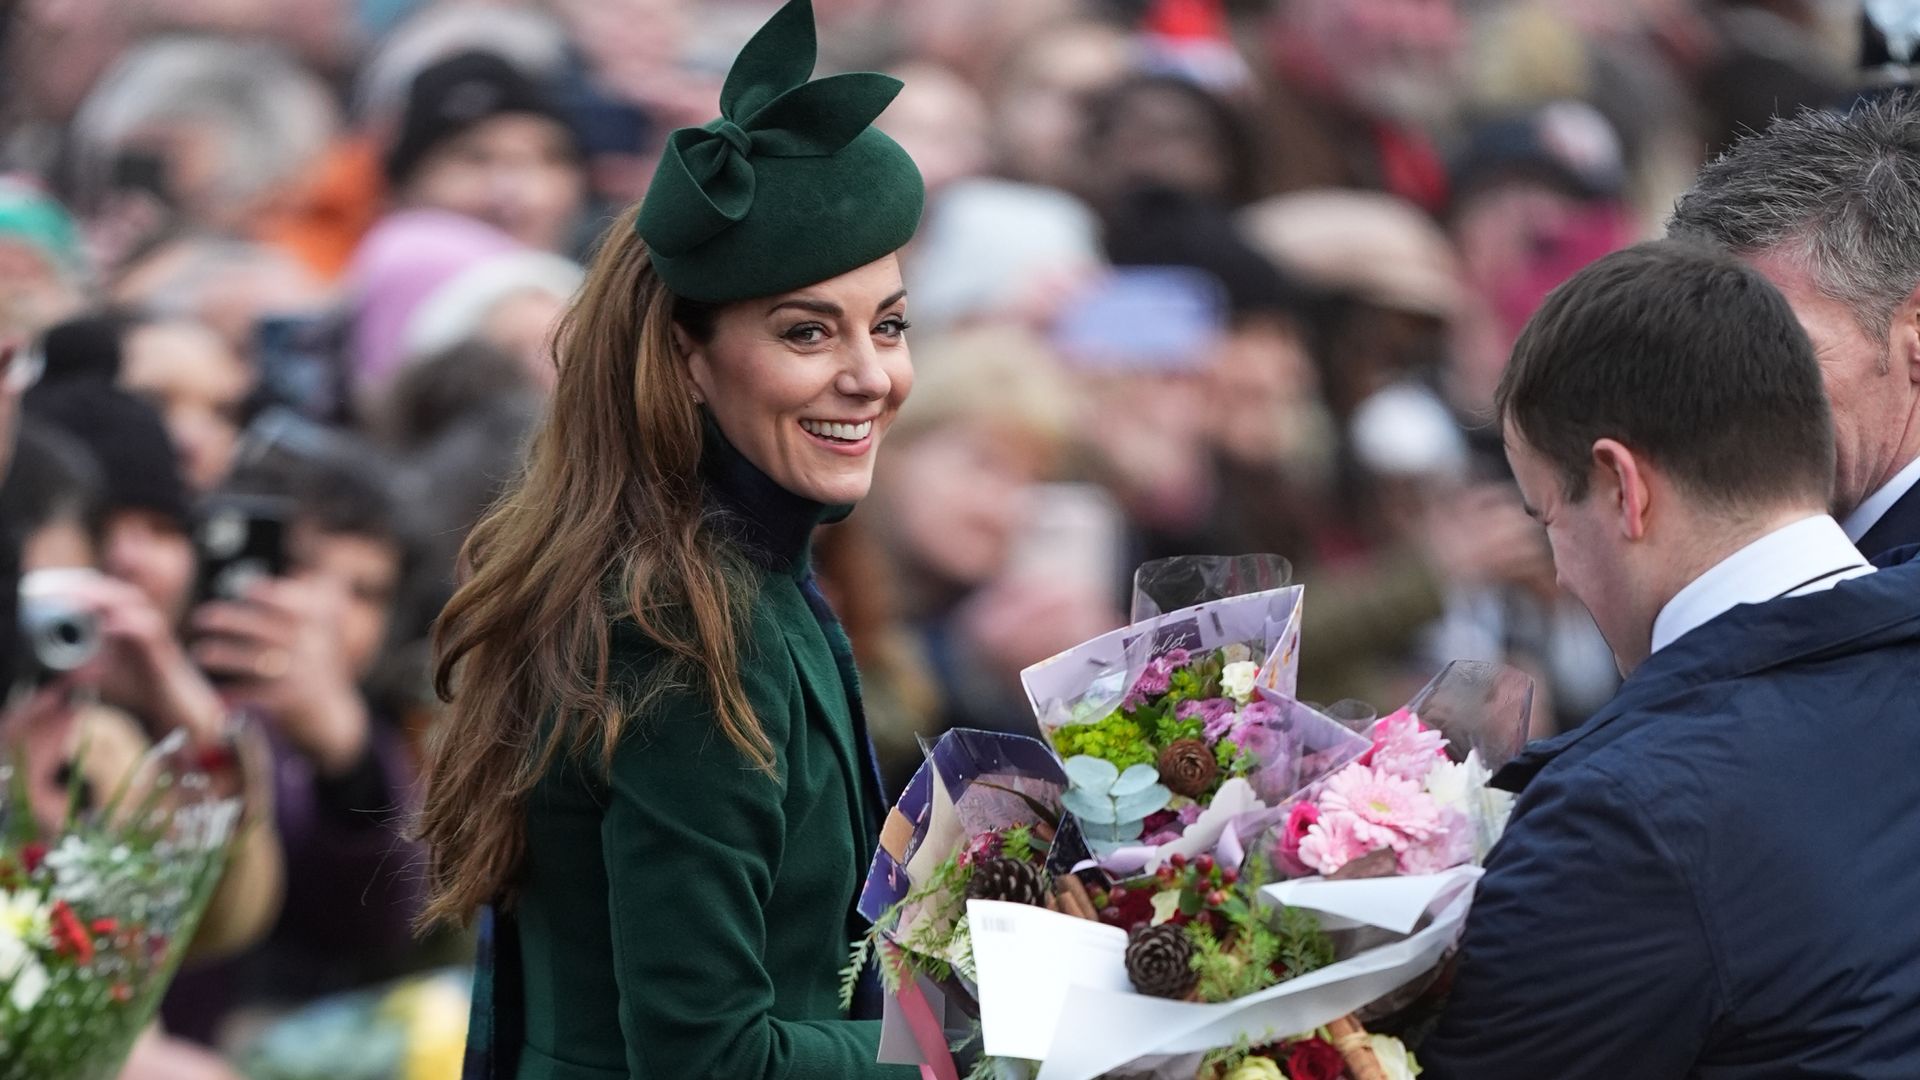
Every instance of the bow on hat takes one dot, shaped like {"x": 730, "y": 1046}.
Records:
{"x": 705, "y": 183}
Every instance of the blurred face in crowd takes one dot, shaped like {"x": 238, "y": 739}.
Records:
{"x": 941, "y": 121}
{"x": 952, "y": 494}
{"x": 1396, "y": 58}
{"x": 1161, "y": 137}
{"x": 363, "y": 573}
{"x": 1873, "y": 383}
{"x": 200, "y": 387}
{"x": 1041, "y": 113}
{"x": 1258, "y": 385}
{"x": 806, "y": 384}
{"x": 60, "y": 544}
{"x": 1521, "y": 237}
{"x": 152, "y": 553}
{"x": 516, "y": 172}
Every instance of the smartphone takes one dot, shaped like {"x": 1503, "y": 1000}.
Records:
{"x": 299, "y": 360}
{"x": 1074, "y": 533}
{"x": 1145, "y": 318}
{"x": 240, "y": 540}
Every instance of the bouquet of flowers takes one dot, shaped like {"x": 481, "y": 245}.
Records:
{"x": 96, "y": 913}
{"x": 978, "y": 820}
{"x": 1165, "y": 737}
{"x": 1202, "y": 968}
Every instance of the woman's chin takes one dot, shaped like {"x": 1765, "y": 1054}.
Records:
{"x": 834, "y": 490}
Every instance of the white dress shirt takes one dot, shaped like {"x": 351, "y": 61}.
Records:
{"x": 1869, "y": 512}
{"x": 1807, "y": 556}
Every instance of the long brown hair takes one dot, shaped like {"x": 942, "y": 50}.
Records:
{"x": 604, "y": 522}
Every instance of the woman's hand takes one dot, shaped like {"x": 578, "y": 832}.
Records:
{"x": 281, "y": 650}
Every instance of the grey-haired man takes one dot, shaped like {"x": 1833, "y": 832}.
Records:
{"x": 1827, "y": 206}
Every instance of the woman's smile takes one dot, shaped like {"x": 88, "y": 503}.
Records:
{"x": 851, "y": 437}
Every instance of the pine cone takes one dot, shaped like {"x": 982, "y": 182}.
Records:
{"x": 1160, "y": 962}
{"x": 1007, "y": 879}
{"x": 1188, "y": 767}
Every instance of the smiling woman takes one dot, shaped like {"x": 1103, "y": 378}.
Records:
{"x": 653, "y": 769}
{"x": 806, "y": 385}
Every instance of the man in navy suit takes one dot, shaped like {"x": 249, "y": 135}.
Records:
{"x": 1827, "y": 206}
{"x": 1718, "y": 875}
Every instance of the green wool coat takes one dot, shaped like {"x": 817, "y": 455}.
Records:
{"x": 685, "y": 915}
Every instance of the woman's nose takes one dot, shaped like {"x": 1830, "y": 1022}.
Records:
{"x": 863, "y": 376}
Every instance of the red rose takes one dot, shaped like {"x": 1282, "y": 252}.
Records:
{"x": 1315, "y": 1059}
{"x": 32, "y": 855}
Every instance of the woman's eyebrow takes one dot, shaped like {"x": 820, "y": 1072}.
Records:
{"x": 818, "y": 307}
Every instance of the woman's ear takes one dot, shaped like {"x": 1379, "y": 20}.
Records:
{"x": 694, "y": 356}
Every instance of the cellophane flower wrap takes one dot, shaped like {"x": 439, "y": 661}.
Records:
{"x": 96, "y": 914}
{"x": 1162, "y": 726}
{"x": 1413, "y": 806}
{"x": 979, "y": 818}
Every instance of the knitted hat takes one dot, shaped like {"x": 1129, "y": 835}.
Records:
{"x": 790, "y": 186}
{"x": 127, "y": 438}
{"x": 453, "y": 96}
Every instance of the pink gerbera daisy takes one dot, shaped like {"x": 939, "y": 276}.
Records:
{"x": 1390, "y": 812}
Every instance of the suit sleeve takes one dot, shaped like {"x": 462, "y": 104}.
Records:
{"x": 693, "y": 837}
{"x": 1586, "y": 955}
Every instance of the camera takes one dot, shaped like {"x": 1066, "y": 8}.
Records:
{"x": 58, "y": 633}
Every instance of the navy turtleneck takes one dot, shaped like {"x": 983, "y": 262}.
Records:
{"x": 771, "y": 525}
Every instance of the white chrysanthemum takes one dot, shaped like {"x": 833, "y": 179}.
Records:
{"x": 1463, "y": 786}
{"x": 23, "y": 928}
{"x": 28, "y": 984}
{"x": 1236, "y": 680}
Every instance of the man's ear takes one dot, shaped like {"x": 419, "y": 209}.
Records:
{"x": 1620, "y": 478}
{"x": 1903, "y": 338}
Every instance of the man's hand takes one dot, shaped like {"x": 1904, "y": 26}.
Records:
{"x": 284, "y": 656}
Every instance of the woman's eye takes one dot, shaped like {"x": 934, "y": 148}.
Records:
{"x": 894, "y": 327}
{"x": 806, "y": 334}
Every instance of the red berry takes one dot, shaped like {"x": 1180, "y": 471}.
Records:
{"x": 1178, "y": 860}
{"x": 1205, "y": 863}
{"x": 1229, "y": 875}
{"x": 1216, "y": 898}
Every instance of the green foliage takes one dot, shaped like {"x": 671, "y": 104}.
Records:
{"x": 1018, "y": 843}
{"x": 1304, "y": 946}
{"x": 1256, "y": 950}
{"x": 1199, "y": 680}
{"x": 1234, "y": 759}
{"x": 1168, "y": 730}
{"x": 1116, "y": 738}
{"x": 940, "y": 933}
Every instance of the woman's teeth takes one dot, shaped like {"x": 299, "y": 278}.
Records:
{"x": 841, "y": 432}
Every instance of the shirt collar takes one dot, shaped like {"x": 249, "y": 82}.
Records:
{"x": 1810, "y": 554}
{"x": 1869, "y": 512}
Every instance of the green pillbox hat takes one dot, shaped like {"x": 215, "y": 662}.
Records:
{"x": 792, "y": 185}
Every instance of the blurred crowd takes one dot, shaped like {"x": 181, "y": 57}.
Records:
{"x": 1197, "y": 277}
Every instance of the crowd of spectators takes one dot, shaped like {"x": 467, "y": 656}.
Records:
{"x": 1196, "y": 277}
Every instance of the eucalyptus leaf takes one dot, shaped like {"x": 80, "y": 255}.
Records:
{"x": 1136, "y": 779}
{"x": 1152, "y": 800}
{"x": 1088, "y": 807}
{"x": 1092, "y": 773}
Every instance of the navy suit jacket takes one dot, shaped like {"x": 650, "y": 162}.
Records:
{"x": 1718, "y": 876}
{"x": 1897, "y": 528}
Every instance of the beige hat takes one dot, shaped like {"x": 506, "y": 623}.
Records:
{"x": 1383, "y": 249}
